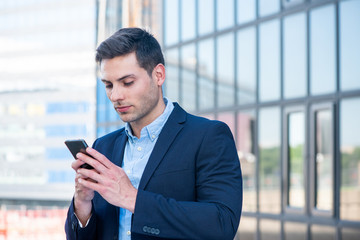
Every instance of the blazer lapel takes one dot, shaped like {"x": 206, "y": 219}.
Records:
{"x": 170, "y": 130}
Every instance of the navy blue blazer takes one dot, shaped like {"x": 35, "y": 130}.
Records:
{"x": 191, "y": 187}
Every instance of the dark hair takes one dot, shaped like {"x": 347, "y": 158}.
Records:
{"x": 128, "y": 40}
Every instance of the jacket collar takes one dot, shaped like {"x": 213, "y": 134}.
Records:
{"x": 167, "y": 135}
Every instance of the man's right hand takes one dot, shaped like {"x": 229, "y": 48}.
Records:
{"x": 82, "y": 197}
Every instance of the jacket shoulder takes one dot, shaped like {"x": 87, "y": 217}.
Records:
{"x": 109, "y": 139}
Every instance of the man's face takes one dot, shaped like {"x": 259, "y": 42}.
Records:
{"x": 135, "y": 95}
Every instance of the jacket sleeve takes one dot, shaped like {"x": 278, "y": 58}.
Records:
{"x": 74, "y": 231}
{"x": 72, "y": 228}
{"x": 216, "y": 212}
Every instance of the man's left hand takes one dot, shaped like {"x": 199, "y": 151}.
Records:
{"x": 108, "y": 179}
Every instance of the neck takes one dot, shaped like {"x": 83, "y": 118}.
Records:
{"x": 137, "y": 126}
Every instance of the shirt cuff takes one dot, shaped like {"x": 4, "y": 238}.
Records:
{"x": 80, "y": 224}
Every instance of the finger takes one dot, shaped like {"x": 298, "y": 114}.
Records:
{"x": 95, "y": 163}
{"x": 76, "y": 164}
{"x": 88, "y": 183}
{"x": 100, "y": 157}
{"x": 90, "y": 175}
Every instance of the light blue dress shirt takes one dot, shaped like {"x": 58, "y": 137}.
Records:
{"x": 136, "y": 156}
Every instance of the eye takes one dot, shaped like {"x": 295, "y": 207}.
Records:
{"x": 108, "y": 85}
{"x": 128, "y": 83}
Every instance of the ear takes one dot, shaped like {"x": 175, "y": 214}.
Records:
{"x": 159, "y": 74}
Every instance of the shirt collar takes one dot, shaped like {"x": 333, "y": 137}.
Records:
{"x": 152, "y": 130}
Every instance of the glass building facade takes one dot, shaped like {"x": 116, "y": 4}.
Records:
{"x": 284, "y": 75}
{"x": 47, "y": 95}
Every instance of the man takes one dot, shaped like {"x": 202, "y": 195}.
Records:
{"x": 165, "y": 175}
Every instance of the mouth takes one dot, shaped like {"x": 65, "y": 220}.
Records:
{"x": 122, "y": 109}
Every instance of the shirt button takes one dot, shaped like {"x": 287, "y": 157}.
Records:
{"x": 139, "y": 149}
{"x": 153, "y": 136}
{"x": 128, "y": 171}
{"x": 128, "y": 233}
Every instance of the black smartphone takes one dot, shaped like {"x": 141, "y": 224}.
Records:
{"x": 78, "y": 145}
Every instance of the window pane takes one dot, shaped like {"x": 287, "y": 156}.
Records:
{"x": 229, "y": 119}
{"x": 350, "y": 234}
{"x": 270, "y": 230}
{"x": 349, "y": 44}
{"x": 267, "y": 7}
{"x": 269, "y": 62}
{"x": 206, "y": 74}
{"x": 322, "y": 50}
{"x": 245, "y": 146}
{"x": 247, "y": 229}
{"x": 206, "y": 16}
{"x": 224, "y": 14}
{"x": 171, "y": 21}
{"x": 246, "y": 11}
{"x": 102, "y": 101}
{"x": 295, "y": 231}
{"x": 324, "y": 160}
{"x": 246, "y": 66}
{"x": 172, "y": 75}
{"x": 208, "y": 116}
{"x": 322, "y": 233}
{"x": 187, "y": 19}
{"x": 296, "y": 143}
{"x": 225, "y": 70}
{"x": 269, "y": 157}
{"x": 350, "y": 160}
{"x": 188, "y": 85}
{"x": 295, "y": 56}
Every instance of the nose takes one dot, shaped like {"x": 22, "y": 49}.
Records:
{"x": 116, "y": 94}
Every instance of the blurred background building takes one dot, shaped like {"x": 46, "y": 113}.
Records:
{"x": 47, "y": 95}
{"x": 283, "y": 74}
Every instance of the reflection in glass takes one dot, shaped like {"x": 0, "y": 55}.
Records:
{"x": 102, "y": 102}
{"x": 225, "y": 14}
{"x": 208, "y": 116}
{"x": 350, "y": 159}
{"x": 269, "y": 62}
{"x": 295, "y": 231}
{"x": 206, "y": 72}
{"x": 270, "y": 229}
{"x": 323, "y": 160}
{"x": 296, "y": 143}
{"x": 225, "y": 70}
{"x": 295, "y": 74}
{"x": 245, "y": 141}
{"x": 171, "y": 21}
{"x": 246, "y": 11}
{"x": 322, "y": 50}
{"x": 206, "y": 16}
{"x": 229, "y": 119}
{"x": 188, "y": 76}
{"x": 187, "y": 19}
{"x": 350, "y": 234}
{"x": 172, "y": 74}
{"x": 349, "y": 44}
{"x": 322, "y": 233}
{"x": 246, "y": 66}
{"x": 269, "y": 160}
{"x": 247, "y": 229}
{"x": 267, "y": 7}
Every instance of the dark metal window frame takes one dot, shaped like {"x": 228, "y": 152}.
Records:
{"x": 310, "y": 102}
{"x": 315, "y": 108}
{"x": 286, "y": 158}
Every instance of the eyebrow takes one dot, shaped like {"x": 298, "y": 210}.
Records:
{"x": 119, "y": 79}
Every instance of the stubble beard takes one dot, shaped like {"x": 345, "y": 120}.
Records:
{"x": 143, "y": 109}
